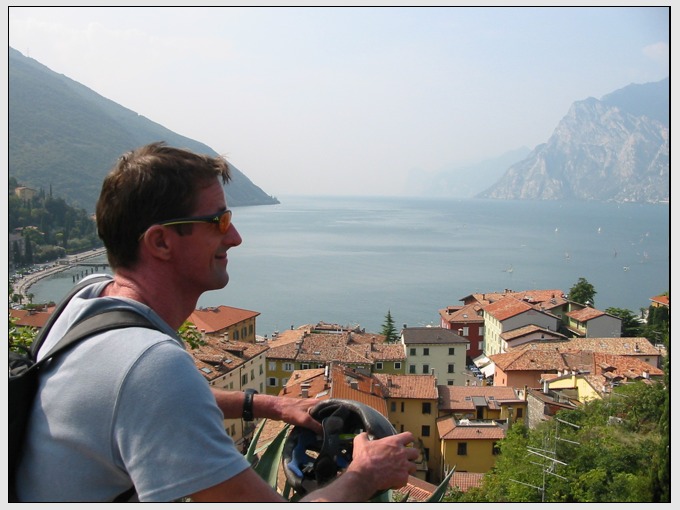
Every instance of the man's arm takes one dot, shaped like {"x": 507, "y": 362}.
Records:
{"x": 289, "y": 410}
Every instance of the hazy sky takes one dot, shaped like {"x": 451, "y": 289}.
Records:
{"x": 338, "y": 100}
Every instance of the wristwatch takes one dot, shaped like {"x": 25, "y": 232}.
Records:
{"x": 248, "y": 405}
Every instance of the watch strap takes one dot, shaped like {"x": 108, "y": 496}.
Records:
{"x": 248, "y": 405}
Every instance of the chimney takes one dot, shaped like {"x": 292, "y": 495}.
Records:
{"x": 304, "y": 387}
{"x": 203, "y": 334}
{"x": 354, "y": 385}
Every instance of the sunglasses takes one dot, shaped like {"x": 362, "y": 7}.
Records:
{"x": 222, "y": 220}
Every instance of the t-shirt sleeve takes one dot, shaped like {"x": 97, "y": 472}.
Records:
{"x": 168, "y": 431}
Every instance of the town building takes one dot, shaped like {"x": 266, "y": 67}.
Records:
{"x": 435, "y": 351}
{"x": 498, "y": 403}
{"x": 469, "y": 445}
{"x": 413, "y": 405}
{"x": 468, "y": 322}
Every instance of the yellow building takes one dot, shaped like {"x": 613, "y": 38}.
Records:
{"x": 412, "y": 403}
{"x": 468, "y": 446}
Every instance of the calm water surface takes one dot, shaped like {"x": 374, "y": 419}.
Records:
{"x": 350, "y": 260}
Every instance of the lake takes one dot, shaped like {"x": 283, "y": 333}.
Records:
{"x": 348, "y": 260}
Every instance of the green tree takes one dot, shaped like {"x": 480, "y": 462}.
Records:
{"x": 582, "y": 292}
{"x": 20, "y": 337}
{"x": 630, "y": 324}
{"x": 190, "y": 334}
{"x": 388, "y": 329}
{"x": 614, "y": 449}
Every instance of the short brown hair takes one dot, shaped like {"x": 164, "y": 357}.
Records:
{"x": 149, "y": 185}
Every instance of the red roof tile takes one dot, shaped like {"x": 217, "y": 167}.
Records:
{"x": 216, "y": 318}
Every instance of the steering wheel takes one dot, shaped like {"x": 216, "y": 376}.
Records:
{"x": 311, "y": 461}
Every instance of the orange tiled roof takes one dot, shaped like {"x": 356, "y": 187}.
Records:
{"x": 528, "y": 330}
{"x": 585, "y": 314}
{"x": 339, "y": 385}
{"x": 529, "y": 359}
{"x": 409, "y": 386}
{"x": 506, "y": 308}
{"x": 465, "y": 480}
{"x": 218, "y": 357}
{"x": 382, "y": 352}
{"x": 464, "y": 314}
{"x": 662, "y": 300}
{"x": 625, "y": 346}
{"x": 462, "y": 398}
{"x": 216, "y": 318}
{"x": 470, "y": 430}
{"x": 32, "y": 319}
{"x": 629, "y": 365}
{"x": 417, "y": 490}
{"x": 535, "y": 296}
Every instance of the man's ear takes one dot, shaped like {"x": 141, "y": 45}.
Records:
{"x": 158, "y": 241}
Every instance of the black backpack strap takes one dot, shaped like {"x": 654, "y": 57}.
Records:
{"x": 42, "y": 334}
{"x": 97, "y": 323}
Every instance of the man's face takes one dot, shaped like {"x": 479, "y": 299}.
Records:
{"x": 202, "y": 255}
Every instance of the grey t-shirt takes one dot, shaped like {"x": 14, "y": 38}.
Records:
{"x": 125, "y": 407}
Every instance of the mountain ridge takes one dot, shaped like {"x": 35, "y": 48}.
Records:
{"x": 65, "y": 136}
{"x": 612, "y": 149}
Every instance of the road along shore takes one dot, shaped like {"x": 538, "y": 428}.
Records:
{"x": 23, "y": 285}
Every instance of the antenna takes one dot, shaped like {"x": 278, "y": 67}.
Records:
{"x": 549, "y": 461}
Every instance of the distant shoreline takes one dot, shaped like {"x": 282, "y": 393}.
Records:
{"x": 23, "y": 285}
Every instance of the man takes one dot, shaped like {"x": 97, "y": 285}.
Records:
{"x": 127, "y": 408}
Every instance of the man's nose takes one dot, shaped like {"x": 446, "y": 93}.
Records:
{"x": 232, "y": 237}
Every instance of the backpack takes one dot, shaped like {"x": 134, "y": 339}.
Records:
{"x": 24, "y": 370}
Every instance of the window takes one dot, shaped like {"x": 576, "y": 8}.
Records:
{"x": 272, "y": 381}
{"x": 397, "y": 365}
{"x": 466, "y": 331}
{"x": 236, "y": 334}
{"x": 426, "y": 452}
{"x": 481, "y": 331}
{"x": 272, "y": 365}
{"x": 244, "y": 379}
{"x": 288, "y": 367}
{"x": 426, "y": 351}
{"x": 519, "y": 412}
{"x": 261, "y": 369}
{"x": 426, "y": 369}
{"x": 449, "y": 382}
{"x": 252, "y": 374}
{"x": 462, "y": 448}
{"x": 393, "y": 407}
{"x": 402, "y": 407}
{"x": 452, "y": 351}
{"x": 378, "y": 365}
{"x": 425, "y": 431}
{"x": 427, "y": 408}
{"x": 411, "y": 369}
{"x": 450, "y": 369}
{"x": 412, "y": 351}
{"x": 244, "y": 332}
{"x": 250, "y": 329}
{"x": 304, "y": 366}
